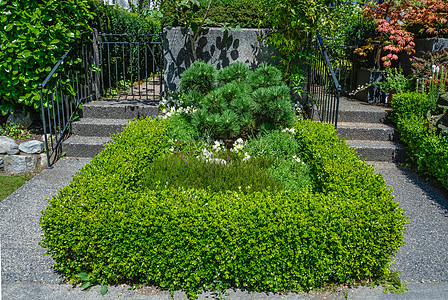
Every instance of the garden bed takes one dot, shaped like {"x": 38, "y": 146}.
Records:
{"x": 114, "y": 223}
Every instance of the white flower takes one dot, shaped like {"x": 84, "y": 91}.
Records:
{"x": 246, "y": 156}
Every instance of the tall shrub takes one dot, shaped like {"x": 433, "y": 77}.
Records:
{"x": 34, "y": 36}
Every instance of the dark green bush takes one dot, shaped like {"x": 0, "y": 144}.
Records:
{"x": 112, "y": 19}
{"x": 244, "y": 13}
{"x": 236, "y": 101}
{"x": 34, "y": 36}
{"x": 194, "y": 239}
{"x": 217, "y": 174}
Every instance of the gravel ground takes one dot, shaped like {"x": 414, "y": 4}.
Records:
{"x": 424, "y": 256}
{"x": 28, "y": 274}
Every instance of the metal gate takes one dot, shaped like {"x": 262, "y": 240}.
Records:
{"x": 99, "y": 67}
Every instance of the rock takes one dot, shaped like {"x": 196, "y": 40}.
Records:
{"x": 43, "y": 160}
{"x": 6, "y": 144}
{"x": 32, "y": 147}
{"x": 13, "y": 152}
{"x": 24, "y": 120}
{"x": 19, "y": 164}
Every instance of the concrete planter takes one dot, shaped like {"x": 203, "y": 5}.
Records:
{"x": 214, "y": 47}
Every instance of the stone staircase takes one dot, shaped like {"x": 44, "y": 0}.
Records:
{"x": 366, "y": 128}
{"x": 99, "y": 120}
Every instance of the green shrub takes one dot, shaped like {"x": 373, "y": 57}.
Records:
{"x": 114, "y": 20}
{"x": 411, "y": 103}
{"x": 34, "y": 36}
{"x": 426, "y": 151}
{"x": 236, "y": 101}
{"x": 243, "y": 13}
{"x": 215, "y": 173}
{"x": 194, "y": 239}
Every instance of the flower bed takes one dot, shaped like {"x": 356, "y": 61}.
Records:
{"x": 113, "y": 222}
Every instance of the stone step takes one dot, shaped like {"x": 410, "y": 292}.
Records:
{"x": 98, "y": 127}
{"x": 360, "y": 112}
{"x": 366, "y": 131}
{"x": 120, "y": 109}
{"x": 84, "y": 146}
{"x": 378, "y": 150}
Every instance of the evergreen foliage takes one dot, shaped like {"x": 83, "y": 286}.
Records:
{"x": 236, "y": 101}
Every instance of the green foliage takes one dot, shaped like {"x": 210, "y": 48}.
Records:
{"x": 228, "y": 173}
{"x": 105, "y": 225}
{"x": 36, "y": 34}
{"x": 200, "y": 77}
{"x": 112, "y": 19}
{"x": 394, "y": 80}
{"x": 243, "y": 13}
{"x": 427, "y": 150}
{"x": 14, "y": 130}
{"x": 411, "y": 103}
{"x": 235, "y": 100}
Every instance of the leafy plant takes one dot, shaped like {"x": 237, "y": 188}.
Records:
{"x": 89, "y": 281}
{"x": 28, "y": 52}
{"x": 394, "y": 80}
{"x": 15, "y": 131}
{"x": 395, "y": 28}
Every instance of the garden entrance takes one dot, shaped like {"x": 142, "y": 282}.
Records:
{"x": 99, "y": 67}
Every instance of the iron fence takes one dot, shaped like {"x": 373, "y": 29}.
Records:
{"x": 98, "y": 67}
{"x": 323, "y": 88}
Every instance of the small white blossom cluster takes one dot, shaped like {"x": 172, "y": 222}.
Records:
{"x": 238, "y": 145}
{"x": 172, "y": 107}
{"x": 208, "y": 156}
{"x": 246, "y": 156}
{"x": 359, "y": 89}
{"x": 297, "y": 159}
{"x": 290, "y": 130}
{"x": 218, "y": 145}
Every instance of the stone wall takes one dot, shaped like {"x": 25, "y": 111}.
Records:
{"x": 21, "y": 158}
{"x": 214, "y": 47}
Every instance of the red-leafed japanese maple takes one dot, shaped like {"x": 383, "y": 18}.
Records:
{"x": 398, "y": 21}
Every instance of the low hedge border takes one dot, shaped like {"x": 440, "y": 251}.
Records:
{"x": 344, "y": 230}
{"x": 427, "y": 151}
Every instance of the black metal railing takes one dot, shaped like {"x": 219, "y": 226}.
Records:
{"x": 131, "y": 66}
{"x": 99, "y": 66}
{"x": 323, "y": 88}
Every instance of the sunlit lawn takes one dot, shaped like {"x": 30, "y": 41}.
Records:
{"x": 10, "y": 183}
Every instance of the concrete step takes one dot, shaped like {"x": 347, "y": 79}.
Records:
{"x": 84, "y": 146}
{"x": 98, "y": 127}
{"x": 360, "y": 112}
{"x": 120, "y": 109}
{"x": 378, "y": 150}
{"x": 366, "y": 131}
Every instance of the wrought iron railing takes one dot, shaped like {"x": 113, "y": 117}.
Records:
{"x": 85, "y": 73}
{"x": 323, "y": 88}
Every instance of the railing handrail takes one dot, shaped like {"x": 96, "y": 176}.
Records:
{"x": 327, "y": 59}
{"x": 55, "y": 68}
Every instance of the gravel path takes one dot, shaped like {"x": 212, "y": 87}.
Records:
{"x": 28, "y": 274}
{"x": 424, "y": 256}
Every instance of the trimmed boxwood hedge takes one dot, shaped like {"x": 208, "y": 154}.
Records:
{"x": 344, "y": 230}
{"x": 427, "y": 151}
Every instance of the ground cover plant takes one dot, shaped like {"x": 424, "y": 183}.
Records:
{"x": 113, "y": 225}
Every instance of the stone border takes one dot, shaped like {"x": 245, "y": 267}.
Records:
{"x": 22, "y": 158}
